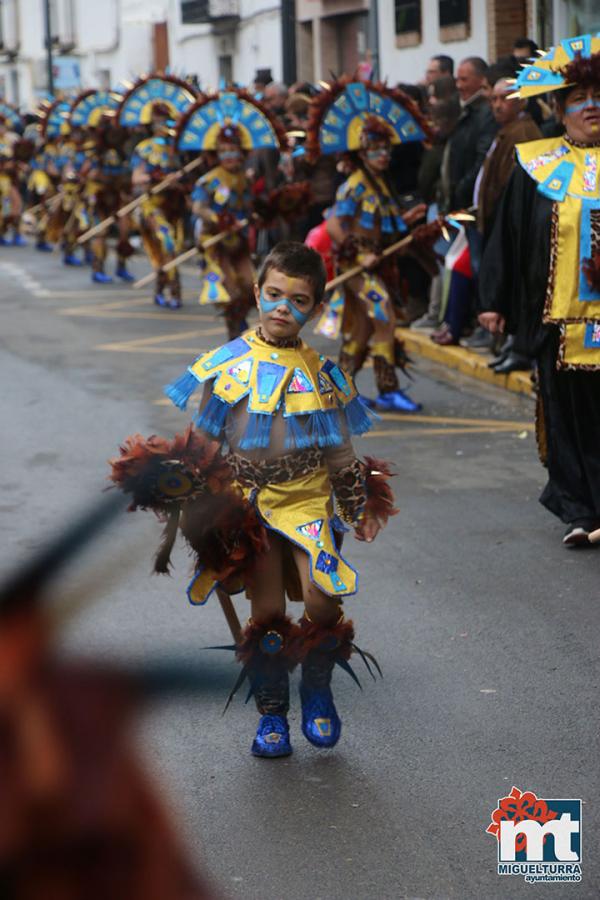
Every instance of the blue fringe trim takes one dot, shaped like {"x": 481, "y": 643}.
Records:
{"x": 358, "y": 417}
{"x": 213, "y": 416}
{"x": 324, "y": 428}
{"x": 181, "y": 390}
{"x": 258, "y": 431}
{"x": 296, "y": 437}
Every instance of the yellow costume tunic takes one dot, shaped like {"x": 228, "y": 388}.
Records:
{"x": 570, "y": 176}
{"x": 376, "y": 220}
{"x": 225, "y": 192}
{"x": 319, "y": 407}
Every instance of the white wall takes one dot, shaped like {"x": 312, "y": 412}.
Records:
{"x": 115, "y": 37}
{"x": 408, "y": 64}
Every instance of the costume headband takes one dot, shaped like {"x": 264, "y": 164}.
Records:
{"x": 176, "y": 94}
{"x": 560, "y": 67}
{"x": 202, "y": 126}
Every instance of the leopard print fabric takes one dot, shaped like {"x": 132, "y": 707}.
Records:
{"x": 350, "y": 491}
{"x": 258, "y": 473}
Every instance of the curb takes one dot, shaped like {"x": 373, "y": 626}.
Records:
{"x": 468, "y": 362}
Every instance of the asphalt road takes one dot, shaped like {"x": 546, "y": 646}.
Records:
{"x": 485, "y": 627}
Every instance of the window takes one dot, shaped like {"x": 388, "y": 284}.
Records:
{"x": 455, "y": 20}
{"x": 195, "y": 11}
{"x": 408, "y": 22}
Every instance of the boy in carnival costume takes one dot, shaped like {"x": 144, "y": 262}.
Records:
{"x": 286, "y": 414}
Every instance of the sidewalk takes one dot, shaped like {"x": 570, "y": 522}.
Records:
{"x": 468, "y": 362}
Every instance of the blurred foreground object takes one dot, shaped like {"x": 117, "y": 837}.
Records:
{"x": 79, "y": 818}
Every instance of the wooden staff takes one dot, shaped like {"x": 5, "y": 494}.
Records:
{"x": 393, "y": 248}
{"x": 129, "y": 207}
{"x": 230, "y": 614}
{"x": 50, "y": 202}
{"x": 189, "y": 254}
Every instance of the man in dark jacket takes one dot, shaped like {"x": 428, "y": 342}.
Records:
{"x": 469, "y": 142}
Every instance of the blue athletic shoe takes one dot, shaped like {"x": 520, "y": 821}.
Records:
{"x": 321, "y": 725}
{"x": 101, "y": 278}
{"x": 19, "y": 241}
{"x": 124, "y": 274}
{"x": 396, "y": 401}
{"x": 4, "y": 242}
{"x": 161, "y": 300}
{"x": 70, "y": 260}
{"x": 44, "y": 247}
{"x": 272, "y": 737}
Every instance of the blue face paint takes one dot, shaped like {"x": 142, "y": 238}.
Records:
{"x": 268, "y": 306}
{"x": 588, "y": 103}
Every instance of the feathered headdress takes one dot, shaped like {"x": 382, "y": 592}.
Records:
{"x": 90, "y": 106}
{"x": 574, "y": 61}
{"x": 175, "y": 93}
{"x": 339, "y": 114}
{"x": 10, "y": 115}
{"x": 203, "y": 124}
{"x": 54, "y": 118}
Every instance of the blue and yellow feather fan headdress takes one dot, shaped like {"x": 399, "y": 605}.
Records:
{"x": 12, "y": 117}
{"x": 90, "y": 106}
{"x": 54, "y": 119}
{"x": 168, "y": 90}
{"x": 203, "y": 123}
{"x": 339, "y": 113}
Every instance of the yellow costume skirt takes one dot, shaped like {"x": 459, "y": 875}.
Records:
{"x": 301, "y": 511}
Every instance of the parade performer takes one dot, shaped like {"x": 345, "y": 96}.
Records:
{"x": 159, "y": 101}
{"x": 229, "y": 124}
{"x": 11, "y": 204}
{"x": 66, "y": 218}
{"x": 261, "y": 516}
{"x": 540, "y": 278}
{"x": 42, "y": 186}
{"x": 106, "y": 176}
{"x": 366, "y": 120}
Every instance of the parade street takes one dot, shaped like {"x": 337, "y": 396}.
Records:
{"x": 484, "y": 625}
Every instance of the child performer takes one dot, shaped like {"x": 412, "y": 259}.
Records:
{"x": 286, "y": 415}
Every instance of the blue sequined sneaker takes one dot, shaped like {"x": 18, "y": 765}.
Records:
{"x": 161, "y": 300}
{"x": 4, "y": 241}
{"x": 321, "y": 725}
{"x": 124, "y": 274}
{"x": 101, "y": 278}
{"x": 19, "y": 241}
{"x": 396, "y": 401}
{"x": 44, "y": 247}
{"x": 272, "y": 737}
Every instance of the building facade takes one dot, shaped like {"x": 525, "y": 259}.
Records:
{"x": 222, "y": 41}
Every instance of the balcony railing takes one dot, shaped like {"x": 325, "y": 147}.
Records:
{"x": 205, "y": 11}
